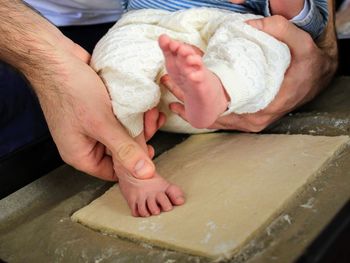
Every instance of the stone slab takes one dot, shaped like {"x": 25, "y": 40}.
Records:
{"x": 235, "y": 185}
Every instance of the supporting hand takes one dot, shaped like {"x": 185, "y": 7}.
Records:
{"x": 310, "y": 71}
{"x": 74, "y": 100}
{"x": 80, "y": 118}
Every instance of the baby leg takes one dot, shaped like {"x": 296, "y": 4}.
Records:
{"x": 205, "y": 98}
{"x": 151, "y": 196}
{"x": 128, "y": 60}
{"x": 248, "y": 63}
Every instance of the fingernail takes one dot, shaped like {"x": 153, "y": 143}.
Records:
{"x": 139, "y": 165}
{"x": 164, "y": 79}
{"x": 142, "y": 169}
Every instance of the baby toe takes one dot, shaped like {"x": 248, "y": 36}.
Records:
{"x": 153, "y": 206}
{"x": 194, "y": 61}
{"x": 185, "y": 50}
{"x": 174, "y": 46}
{"x": 175, "y": 195}
{"x": 164, "y": 202}
{"x": 142, "y": 208}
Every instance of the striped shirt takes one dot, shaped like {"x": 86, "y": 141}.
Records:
{"x": 256, "y": 7}
{"x": 313, "y": 22}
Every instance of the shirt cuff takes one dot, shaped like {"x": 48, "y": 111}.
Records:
{"x": 313, "y": 22}
{"x": 303, "y": 13}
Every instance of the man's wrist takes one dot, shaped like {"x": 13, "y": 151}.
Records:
{"x": 327, "y": 42}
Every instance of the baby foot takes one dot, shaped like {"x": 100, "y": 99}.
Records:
{"x": 204, "y": 96}
{"x": 151, "y": 196}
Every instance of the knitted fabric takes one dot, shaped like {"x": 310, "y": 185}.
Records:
{"x": 249, "y": 63}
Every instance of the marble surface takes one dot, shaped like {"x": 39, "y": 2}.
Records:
{"x": 35, "y": 223}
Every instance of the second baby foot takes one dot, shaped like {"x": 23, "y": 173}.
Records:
{"x": 205, "y": 98}
{"x": 151, "y": 196}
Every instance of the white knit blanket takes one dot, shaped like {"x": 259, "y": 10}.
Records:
{"x": 249, "y": 63}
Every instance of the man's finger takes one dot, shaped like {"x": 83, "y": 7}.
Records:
{"x": 153, "y": 120}
{"x": 94, "y": 162}
{"x": 280, "y": 28}
{"x": 151, "y": 151}
{"x": 150, "y": 121}
{"x": 103, "y": 169}
{"x": 161, "y": 120}
{"x": 179, "y": 109}
{"x": 171, "y": 86}
{"x": 230, "y": 122}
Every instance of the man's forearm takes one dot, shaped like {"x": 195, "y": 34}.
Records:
{"x": 37, "y": 49}
{"x": 28, "y": 41}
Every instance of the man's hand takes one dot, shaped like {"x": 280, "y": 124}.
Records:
{"x": 74, "y": 100}
{"x": 153, "y": 120}
{"x": 310, "y": 71}
{"x": 80, "y": 118}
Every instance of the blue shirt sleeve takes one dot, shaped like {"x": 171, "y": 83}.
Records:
{"x": 259, "y": 7}
{"x": 317, "y": 18}
{"x": 314, "y": 22}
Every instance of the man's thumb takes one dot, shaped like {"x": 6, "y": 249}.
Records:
{"x": 126, "y": 153}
